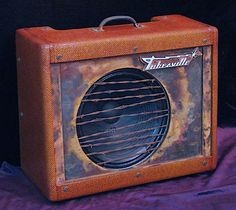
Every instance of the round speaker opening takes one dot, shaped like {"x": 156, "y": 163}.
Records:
{"x": 123, "y": 118}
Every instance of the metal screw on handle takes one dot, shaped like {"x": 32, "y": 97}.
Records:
{"x": 119, "y": 17}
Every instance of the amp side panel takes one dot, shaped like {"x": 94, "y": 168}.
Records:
{"x": 35, "y": 112}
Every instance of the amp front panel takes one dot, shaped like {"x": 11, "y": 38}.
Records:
{"x": 131, "y": 111}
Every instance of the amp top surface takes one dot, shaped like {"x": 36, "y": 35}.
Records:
{"x": 170, "y": 32}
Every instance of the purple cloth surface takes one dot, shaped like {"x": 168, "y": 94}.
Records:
{"x": 210, "y": 190}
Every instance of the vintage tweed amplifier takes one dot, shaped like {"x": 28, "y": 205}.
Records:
{"x": 116, "y": 106}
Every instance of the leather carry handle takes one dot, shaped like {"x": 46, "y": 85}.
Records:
{"x": 119, "y": 17}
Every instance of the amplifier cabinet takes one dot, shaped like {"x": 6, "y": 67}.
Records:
{"x": 116, "y": 106}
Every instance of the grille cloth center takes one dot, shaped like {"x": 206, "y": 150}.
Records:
{"x": 123, "y": 118}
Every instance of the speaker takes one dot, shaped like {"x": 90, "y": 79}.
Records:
{"x": 116, "y": 106}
